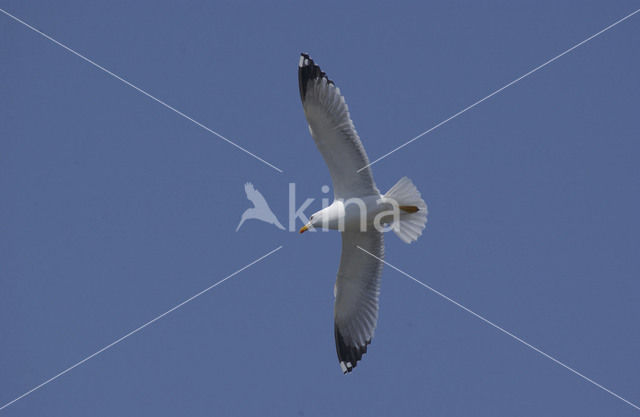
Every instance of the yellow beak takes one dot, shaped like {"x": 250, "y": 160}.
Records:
{"x": 304, "y": 228}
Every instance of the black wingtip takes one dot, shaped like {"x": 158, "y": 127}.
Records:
{"x": 348, "y": 355}
{"x": 308, "y": 70}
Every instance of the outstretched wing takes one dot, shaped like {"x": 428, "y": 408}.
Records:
{"x": 357, "y": 290}
{"x": 334, "y": 133}
{"x": 255, "y": 196}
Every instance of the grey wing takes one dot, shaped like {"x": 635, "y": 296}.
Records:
{"x": 333, "y": 132}
{"x": 357, "y": 290}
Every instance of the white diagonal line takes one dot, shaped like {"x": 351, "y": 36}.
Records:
{"x": 487, "y": 321}
{"x": 500, "y": 89}
{"x": 79, "y": 55}
{"x": 53, "y": 378}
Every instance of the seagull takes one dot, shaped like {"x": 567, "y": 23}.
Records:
{"x": 260, "y": 209}
{"x": 401, "y": 209}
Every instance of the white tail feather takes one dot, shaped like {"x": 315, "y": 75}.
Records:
{"x": 410, "y": 225}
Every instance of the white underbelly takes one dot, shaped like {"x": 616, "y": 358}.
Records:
{"x": 358, "y": 213}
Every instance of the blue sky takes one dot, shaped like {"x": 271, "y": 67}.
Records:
{"x": 115, "y": 209}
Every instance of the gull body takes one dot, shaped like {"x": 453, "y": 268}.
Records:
{"x": 354, "y": 214}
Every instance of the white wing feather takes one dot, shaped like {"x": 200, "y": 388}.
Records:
{"x": 357, "y": 290}
{"x": 333, "y": 132}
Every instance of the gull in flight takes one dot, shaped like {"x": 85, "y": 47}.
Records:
{"x": 260, "y": 209}
{"x": 359, "y": 211}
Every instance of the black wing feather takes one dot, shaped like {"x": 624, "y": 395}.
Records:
{"x": 308, "y": 70}
{"x": 348, "y": 354}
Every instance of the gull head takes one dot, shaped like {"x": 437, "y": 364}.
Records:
{"x": 327, "y": 218}
{"x": 314, "y": 220}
